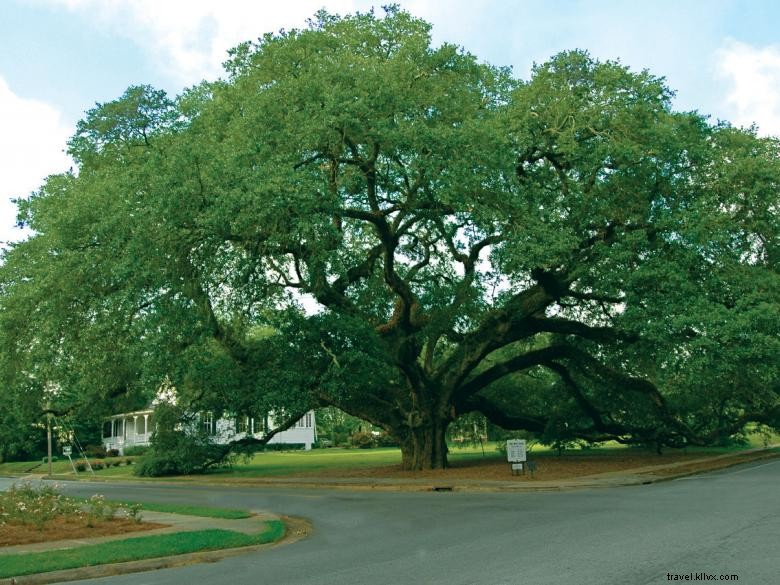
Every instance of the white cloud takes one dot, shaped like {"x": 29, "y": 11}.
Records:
{"x": 753, "y": 74}
{"x": 31, "y": 148}
{"x": 189, "y": 40}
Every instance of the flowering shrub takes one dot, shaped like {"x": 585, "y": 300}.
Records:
{"x": 98, "y": 509}
{"x": 24, "y": 504}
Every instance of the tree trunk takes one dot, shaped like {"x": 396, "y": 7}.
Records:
{"x": 425, "y": 447}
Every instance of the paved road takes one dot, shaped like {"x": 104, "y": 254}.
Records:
{"x": 725, "y": 523}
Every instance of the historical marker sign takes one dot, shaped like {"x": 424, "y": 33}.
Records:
{"x": 515, "y": 451}
{"x": 66, "y": 450}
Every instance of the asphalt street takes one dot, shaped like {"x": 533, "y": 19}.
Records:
{"x": 722, "y": 523}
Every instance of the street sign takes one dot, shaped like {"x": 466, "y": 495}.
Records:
{"x": 515, "y": 451}
{"x": 66, "y": 450}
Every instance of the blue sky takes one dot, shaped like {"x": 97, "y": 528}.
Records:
{"x": 59, "y": 57}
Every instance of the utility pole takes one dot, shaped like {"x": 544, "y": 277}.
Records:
{"x": 48, "y": 433}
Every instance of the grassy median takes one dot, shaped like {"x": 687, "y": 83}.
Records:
{"x": 188, "y": 510}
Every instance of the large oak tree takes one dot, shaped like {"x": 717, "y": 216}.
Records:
{"x": 356, "y": 218}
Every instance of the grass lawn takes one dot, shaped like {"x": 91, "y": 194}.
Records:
{"x": 189, "y": 510}
{"x": 275, "y": 463}
{"x": 133, "y": 549}
{"x": 63, "y": 467}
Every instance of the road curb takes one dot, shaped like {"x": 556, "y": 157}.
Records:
{"x": 295, "y": 530}
{"x": 726, "y": 465}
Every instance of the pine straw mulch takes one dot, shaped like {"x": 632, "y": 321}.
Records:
{"x": 69, "y": 528}
{"x": 548, "y": 467}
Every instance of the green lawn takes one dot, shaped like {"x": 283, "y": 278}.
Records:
{"x": 184, "y": 509}
{"x": 190, "y": 510}
{"x": 17, "y": 467}
{"x": 133, "y": 549}
{"x": 63, "y": 467}
{"x": 274, "y": 463}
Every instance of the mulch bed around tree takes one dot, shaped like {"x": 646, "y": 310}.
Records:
{"x": 548, "y": 467}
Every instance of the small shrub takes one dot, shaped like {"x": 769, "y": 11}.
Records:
{"x": 156, "y": 466}
{"x": 95, "y": 451}
{"x": 137, "y": 450}
{"x": 112, "y": 453}
{"x": 133, "y": 512}
{"x": 284, "y": 447}
{"x": 363, "y": 440}
{"x": 385, "y": 440}
{"x": 128, "y": 461}
{"x": 99, "y": 509}
{"x": 96, "y": 465}
{"x": 80, "y": 466}
{"x": 176, "y": 451}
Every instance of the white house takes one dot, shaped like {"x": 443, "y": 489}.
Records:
{"x": 131, "y": 429}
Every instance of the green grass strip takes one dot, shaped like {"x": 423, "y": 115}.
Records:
{"x": 133, "y": 549}
{"x": 184, "y": 509}
{"x": 190, "y": 510}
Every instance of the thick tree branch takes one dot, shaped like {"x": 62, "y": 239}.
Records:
{"x": 510, "y": 366}
{"x": 500, "y": 416}
{"x": 498, "y": 328}
{"x": 569, "y": 327}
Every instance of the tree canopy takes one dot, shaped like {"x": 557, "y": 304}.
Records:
{"x": 354, "y": 217}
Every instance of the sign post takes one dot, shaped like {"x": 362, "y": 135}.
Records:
{"x": 67, "y": 450}
{"x": 516, "y": 454}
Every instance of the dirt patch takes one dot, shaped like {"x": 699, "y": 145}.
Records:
{"x": 548, "y": 467}
{"x": 68, "y": 528}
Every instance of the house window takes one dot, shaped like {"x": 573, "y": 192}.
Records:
{"x": 242, "y": 424}
{"x": 208, "y": 422}
{"x": 308, "y": 420}
{"x": 107, "y": 429}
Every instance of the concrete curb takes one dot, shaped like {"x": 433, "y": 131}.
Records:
{"x": 295, "y": 530}
{"x": 725, "y": 465}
